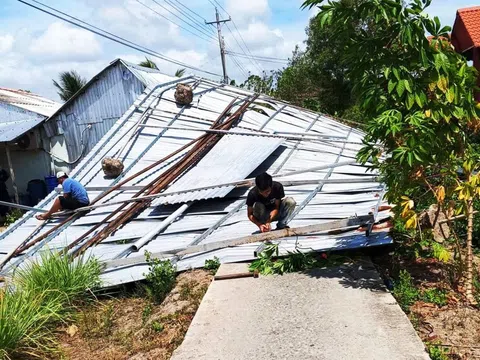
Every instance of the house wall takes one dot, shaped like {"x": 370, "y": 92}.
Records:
{"x": 27, "y": 165}
{"x": 100, "y": 106}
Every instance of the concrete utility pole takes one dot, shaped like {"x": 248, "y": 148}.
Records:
{"x": 221, "y": 42}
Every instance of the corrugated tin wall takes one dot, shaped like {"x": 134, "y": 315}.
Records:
{"x": 101, "y": 105}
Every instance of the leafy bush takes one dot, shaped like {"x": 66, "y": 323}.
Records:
{"x": 12, "y": 216}
{"x": 295, "y": 261}
{"x": 404, "y": 291}
{"x": 212, "y": 264}
{"x": 57, "y": 275}
{"x": 161, "y": 278}
{"x": 434, "y": 296}
{"x": 437, "y": 353}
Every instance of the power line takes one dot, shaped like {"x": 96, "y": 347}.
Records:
{"x": 260, "y": 58}
{"x": 259, "y": 66}
{"x": 173, "y": 22}
{"x": 178, "y": 17}
{"x": 241, "y": 49}
{"x": 239, "y": 66}
{"x": 191, "y": 18}
{"x": 115, "y": 38}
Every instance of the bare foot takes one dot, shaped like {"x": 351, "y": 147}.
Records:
{"x": 42, "y": 217}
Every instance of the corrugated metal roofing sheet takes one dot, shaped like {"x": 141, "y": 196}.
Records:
{"x": 210, "y": 220}
{"x": 232, "y": 159}
{"x": 12, "y": 130}
{"x": 28, "y": 101}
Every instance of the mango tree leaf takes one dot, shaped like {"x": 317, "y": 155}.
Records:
{"x": 407, "y": 86}
{"x": 451, "y": 94}
{"x": 442, "y": 83}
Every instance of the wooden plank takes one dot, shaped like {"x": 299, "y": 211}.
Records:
{"x": 273, "y": 235}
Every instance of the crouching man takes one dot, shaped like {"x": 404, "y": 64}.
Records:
{"x": 267, "y": 203}
{"x": 74, "y": 196}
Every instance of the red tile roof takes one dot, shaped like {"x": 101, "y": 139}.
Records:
{"x": 466, "y": 30}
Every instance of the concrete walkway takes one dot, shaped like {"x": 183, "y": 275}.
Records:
{"x": 338, "y": 313}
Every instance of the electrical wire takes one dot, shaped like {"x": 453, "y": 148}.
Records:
{"x": 112, "y": 37}
{"x": 173, "y": 22}
{"x": 259, "y": 59}
{"x": 266, "y": 57}
{"x": 240, "y": 66}
{"x": 254, "y": 63}
{"x": 259, "y": 66}
{"x": 192, "y": 26}
{"x": 202, "y": 25}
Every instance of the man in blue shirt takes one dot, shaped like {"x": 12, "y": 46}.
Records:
{"x": 74, "y": 196}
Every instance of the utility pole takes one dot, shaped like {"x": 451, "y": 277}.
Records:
{"x": 221, "y": 42}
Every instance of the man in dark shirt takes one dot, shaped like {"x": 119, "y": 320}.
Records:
{"x": 267, "y": 203}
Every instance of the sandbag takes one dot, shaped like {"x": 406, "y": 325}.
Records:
{"x": 184, "y": 94}
{"x": 112, "y": 168}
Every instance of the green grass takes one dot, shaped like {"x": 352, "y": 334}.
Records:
{"x": 434, "y": 296}
{"x": 55, "y": 273}
{"x": 24, "y": 320}
{"x": 40, "y": 296}
{"x": 437, "y": 353}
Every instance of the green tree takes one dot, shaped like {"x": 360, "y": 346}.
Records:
{"x": 264, "y": 84}
{"x": 70, "y": 82}
{"x": 148, "y": 64}
{"x": 419, "y": 95}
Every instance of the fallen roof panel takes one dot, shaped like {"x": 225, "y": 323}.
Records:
{"x": 211, "y": 220}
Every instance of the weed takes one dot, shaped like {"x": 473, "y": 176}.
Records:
{"x": 24, "y": 319}
{"x": 157, "y": 326}
{"x": 404, "y": 291}
{"x": 295, "y": 261}
{"x": 161, "y": 278}
{"x": 434, "y": 296}
{"x": 12, "y": 216}
{"x": 186, "y": 290}
{"x": 97, "y": 322}
{"x": 212, "y": 265}
{"x": 55, "y": 273}
{"x": 437, "y": 352}
{"x": 146, "y": 313}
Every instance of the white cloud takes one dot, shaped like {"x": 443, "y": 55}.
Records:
{"x": 61, "y": 42}
{"x": 6, "y": 43}
{"x": 247, "y": 10}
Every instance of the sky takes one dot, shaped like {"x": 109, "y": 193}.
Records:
{"x": 35, "y": 47}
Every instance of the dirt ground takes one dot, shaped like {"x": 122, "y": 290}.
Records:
{"x": 454, "y": 327}
{"x": 134, "y": 328}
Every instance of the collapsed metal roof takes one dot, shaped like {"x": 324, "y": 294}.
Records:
{"x": 313, "y": 155}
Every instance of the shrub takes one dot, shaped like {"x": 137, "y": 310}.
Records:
{"x": 434, "y": 296}
{"x": 24, "y": 319}
{"x": 212, "y": 264}
{"x": 160, "y": 278}
{"x": 404, "y": 291}
{"x": 437, "y": 353}
{"x": 55, "y": 273}
{"x": 12, "y": 216}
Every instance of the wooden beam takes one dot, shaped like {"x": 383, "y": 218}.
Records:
{"x": 12, "y": 174}
{"x": 352, "y": 222}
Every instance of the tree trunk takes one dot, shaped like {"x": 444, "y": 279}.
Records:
{"x": 469, "y": 260}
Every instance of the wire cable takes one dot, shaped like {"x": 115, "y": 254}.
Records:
{"x": 173, "y": 22}
{"x": 114, "y": 38}
{"x": 202, "y": 25}
{"x": 280, "y": 61}
{"x": 256, "y": 64}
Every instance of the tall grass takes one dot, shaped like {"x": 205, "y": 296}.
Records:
{"x": 57, "y": 276}
{"x": 41, "y": 295}
{"x": 24, "y": 319}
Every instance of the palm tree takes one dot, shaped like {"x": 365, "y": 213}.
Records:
{"x": 180, "y": 72}
{"x": 148, "y": 64}
{"x": 70, "y": 83}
